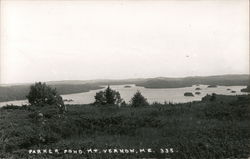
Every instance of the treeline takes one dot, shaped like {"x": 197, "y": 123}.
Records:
{"x": 19, "y": 92}
{"x": 246, "y": 89}
{"x": 41, "y": 94}
{"x": 223, "y": 80}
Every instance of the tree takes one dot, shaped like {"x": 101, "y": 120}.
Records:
{"x": 108, "y": 96}
{"x": 213, "y": 97}
{"x": 138, "y": 100}
{"x": 100, "y": 98}
{"x": 40, "y": 95}
{"x": 123, "y": 104}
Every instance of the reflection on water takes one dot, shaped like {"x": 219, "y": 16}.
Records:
{"x": 174, "y": 95}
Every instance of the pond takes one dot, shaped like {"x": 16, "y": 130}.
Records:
{"x": 174, "y": 95}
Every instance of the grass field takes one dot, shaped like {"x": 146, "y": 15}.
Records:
{"x": 216, "y": 127}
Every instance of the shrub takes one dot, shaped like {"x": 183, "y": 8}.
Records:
{"x": 123, "y": 104}
{"x": 108, "y": 96}
{"x": 213, "y": 97}
{"x": 138, "y": 100}
{"x": 40, "y": 94}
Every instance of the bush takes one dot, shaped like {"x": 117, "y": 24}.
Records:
{"x": 138, "y": 100}
{"x": 213, "y": 97}
{"x": 40, "y": 94}
{"x": 108, "y": 96}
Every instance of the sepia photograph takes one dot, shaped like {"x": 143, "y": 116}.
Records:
{"x": 111, "y": 79}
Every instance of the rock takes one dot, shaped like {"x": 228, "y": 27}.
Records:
{"x": 197, "y": 88}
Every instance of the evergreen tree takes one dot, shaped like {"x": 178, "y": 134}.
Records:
{"x": 138, "y": 100}
{"x": 108, "y": 96}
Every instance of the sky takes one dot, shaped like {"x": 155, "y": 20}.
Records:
{"x": 82, "y": 40}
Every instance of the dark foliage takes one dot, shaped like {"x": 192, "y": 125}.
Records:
{"x": 213, "y": 97}
{"x": 40, "y": 95}
{"x": 138, "y": 100}
{"x": 108, "y": 96}
{"x": 246, "y": 89}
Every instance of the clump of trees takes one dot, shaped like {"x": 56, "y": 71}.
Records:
{"x": 138, "y": 100}
{"x": 112, "y": 97}
{"x": 41, "y": 95}
{"x": 108, "y": 96}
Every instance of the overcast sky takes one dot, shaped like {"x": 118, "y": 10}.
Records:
{"x": 81, "y": 40}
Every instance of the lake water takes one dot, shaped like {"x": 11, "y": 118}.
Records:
{"x": 174, "y": 95}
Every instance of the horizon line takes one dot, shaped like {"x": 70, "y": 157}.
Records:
{"x": 118, "y": 79}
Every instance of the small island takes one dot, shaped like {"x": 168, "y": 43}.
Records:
{"x": 188, "y": 94}
{"x": 127, "y": 86}
{"x": 68, "y": 100}
{"x": 197, "y": 93}
{"x": 211, "y": 86}
{"x": 198, "y": 88}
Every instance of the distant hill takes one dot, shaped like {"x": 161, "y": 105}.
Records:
{"x": 225, "y": 80}
{"x": 19, "y": 92}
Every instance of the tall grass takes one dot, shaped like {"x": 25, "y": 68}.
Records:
{"x": 206, "y": 129}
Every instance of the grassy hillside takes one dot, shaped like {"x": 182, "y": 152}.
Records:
{"x": 19, "y": 92}
{"x": 216, "y": 127}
